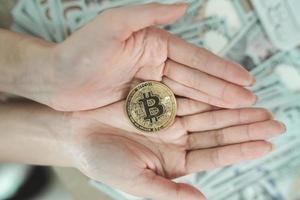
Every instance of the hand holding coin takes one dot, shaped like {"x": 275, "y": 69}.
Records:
{"x": 94, "y": 70}
{"x": 202, "y": 137}
{"x": 151, "y": 106}
{"x": 97, "y": 65}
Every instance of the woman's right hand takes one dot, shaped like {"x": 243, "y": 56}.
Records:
{"x": 107, "y": 148}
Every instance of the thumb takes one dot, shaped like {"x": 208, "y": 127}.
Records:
{"x": 156, "y": 187}
{"x": 123, "y": 21}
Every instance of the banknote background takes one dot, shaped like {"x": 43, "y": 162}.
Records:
{"x": 263, "y": 36}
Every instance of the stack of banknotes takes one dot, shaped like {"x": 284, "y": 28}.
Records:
{"x": 263, "y": 36}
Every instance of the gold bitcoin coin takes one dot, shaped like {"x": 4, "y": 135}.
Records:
{"x": 151, "y": 106}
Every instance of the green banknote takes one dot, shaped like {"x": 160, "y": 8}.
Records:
{"x": 261, "y": 35}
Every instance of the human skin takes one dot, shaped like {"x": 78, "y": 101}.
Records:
{"x": 97, "y": 65}
{"x": 103, "y": 145}
{"x": 94, "y": 69}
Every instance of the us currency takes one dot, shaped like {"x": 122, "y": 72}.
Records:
{"x": 278, "y": 89}
{"x": 251, "y": 48}
{"x": 239, "y": 31}
{"x": 207, "y": 26}
{"x": 96, "y": 7}
{"x": 278, "y": 78}
{"x": 281, "y": 21}
{"x": 283, "y": 100}
{"x": 215, "y": 25}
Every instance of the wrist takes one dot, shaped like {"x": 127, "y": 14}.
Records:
{"x": 34, "y": 134}
{"x": 27, "y": 71}
{"x": 37, "y": 81}
{"x": 59, "y": 136}
{"x": 61, "y": 77}
{"x": 62, "y": 130}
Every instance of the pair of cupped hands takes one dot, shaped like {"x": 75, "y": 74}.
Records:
{"x": 93, "y": 71}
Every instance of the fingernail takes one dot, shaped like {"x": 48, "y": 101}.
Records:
{"x": 276, "y": 131}
{"x": 253, "y": 81}
{"x": 270, "y": 114}
{"x": 283, "y": 126}
{"x": 250, "y": 101}
{"x": 250, "y": 81}
{"x": 256, "y": 99}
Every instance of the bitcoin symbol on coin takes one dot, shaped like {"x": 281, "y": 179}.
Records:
{"x": 151, "y": 106}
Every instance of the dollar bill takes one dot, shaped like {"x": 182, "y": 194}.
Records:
{"x": 281, "y": 21}
{"x": 251, "y": 48}
{"x": 260, "y": 35}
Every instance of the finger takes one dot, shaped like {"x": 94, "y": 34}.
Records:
{"x": 224, "y": 118}
{"x": 191, "y": 93}
{"x": 238, "y": 134}
{"x": 211, "y": 85}
{"x": 199, "y": 160}
{"x": 156, "y": 187}
{"x": 187, "y": 106}
{"x": 114, "y": 115}
{"x": 123, "y": 20}
{"x": 203, "y": 60}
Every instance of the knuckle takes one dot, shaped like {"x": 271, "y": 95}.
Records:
{"x": 166, "y": 70}
{"x": 190, "y": 142}
{"x": 242, "y": 152}
{"x": 184, "y": 123}
{"x": 190, "y": 104}
{"x": 196, "y": 57}
{"x": 193, "y": 81}
{"x": 239, "y": 115}
{"x": 178, "y": 125}
{"x": 213, "y": 118}
{"x": 220, "y": 137}
{"x": 248, "y": 133}
{"x": 225, "y": 65}
{"x": 223, "y": 92}
{"x": 215, "y": 158}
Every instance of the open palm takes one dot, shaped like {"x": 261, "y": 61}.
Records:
{"x": 97, "y": 65}
{"x": 109, "y": 149}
